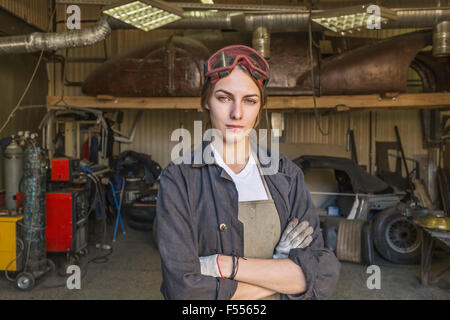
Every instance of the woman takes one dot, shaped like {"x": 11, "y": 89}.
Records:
{"x": 225, "y": 230}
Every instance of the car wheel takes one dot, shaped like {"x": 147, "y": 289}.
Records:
{"x": 396, "y": 238}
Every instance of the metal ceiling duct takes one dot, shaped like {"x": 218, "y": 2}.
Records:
{"x": 412, "y": 17}
{"x": 56, "y": 41}
{"x": 261, "y": 41}
{"x": 294, "y": 22}
{"x": 441, "y": 39}
{"x": 290, "y": 22}
{"x": 322, "y": 4}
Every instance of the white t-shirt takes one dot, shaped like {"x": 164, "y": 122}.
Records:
{"x": 248, "y": 181}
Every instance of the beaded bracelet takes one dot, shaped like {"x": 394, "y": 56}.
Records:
{"x": 235, "y": 266}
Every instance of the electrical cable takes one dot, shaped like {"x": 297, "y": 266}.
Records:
{"x": 93, "y": 202}
{"x": 17, "y": 257}
{"x": 97, "y": 260}
{"x": 11, "y": 115}
{"x": 316, "y": 115}
{"x": 98, "y": 187}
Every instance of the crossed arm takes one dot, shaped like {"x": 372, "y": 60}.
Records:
{"x": 260, "y": 278}
{"x": 256, "y": 278}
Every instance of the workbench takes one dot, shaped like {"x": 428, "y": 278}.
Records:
{"x": 429, "y": 238}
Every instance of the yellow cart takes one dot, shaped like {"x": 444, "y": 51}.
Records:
{"x": 8, "y": 243}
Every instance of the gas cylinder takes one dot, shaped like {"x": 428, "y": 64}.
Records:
{"x": 13, "y": 173}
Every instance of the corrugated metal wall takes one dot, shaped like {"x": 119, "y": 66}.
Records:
{"x": 155, "y": 128}
{"x": 154, "y": 131}
{"x": 34, "y": 12}
{"x": 302, "y": 128}
{"x": 16, "y": 71}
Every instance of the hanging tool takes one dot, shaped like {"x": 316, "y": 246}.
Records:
{"x": 408, "y": 177}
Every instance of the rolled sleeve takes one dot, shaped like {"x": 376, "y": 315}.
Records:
{"x": 178, "y": 247}
{"x": 226, "y": 288}
{"x": 319, "y": 265}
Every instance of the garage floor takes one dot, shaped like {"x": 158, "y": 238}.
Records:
{"x": 133, "y": 271}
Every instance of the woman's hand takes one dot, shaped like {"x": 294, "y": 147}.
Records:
{"x": 296, "y": 235}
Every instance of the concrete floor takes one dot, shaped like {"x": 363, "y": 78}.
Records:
{"x": 134, "y": 272}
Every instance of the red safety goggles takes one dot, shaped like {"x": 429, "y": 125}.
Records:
{"x": 222, "y": 63}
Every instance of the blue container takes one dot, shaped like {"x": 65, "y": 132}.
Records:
{"x": 333, "y": 211}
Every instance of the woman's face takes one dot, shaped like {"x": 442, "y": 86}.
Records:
{"x": 234, "y": 105}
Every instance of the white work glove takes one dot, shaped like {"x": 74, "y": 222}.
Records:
{"x": 209, "y": 266}
{"x": 296, "y": 235}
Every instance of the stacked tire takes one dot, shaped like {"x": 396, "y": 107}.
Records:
{"x": 141, "y": 218}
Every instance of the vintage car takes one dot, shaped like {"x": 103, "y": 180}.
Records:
{"x": 339, "y": 183}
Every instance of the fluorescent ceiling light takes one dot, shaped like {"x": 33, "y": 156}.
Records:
{"x": 144, "y": 14}
{"x": 352, "y": 18}
{"x": 209, "y": 2}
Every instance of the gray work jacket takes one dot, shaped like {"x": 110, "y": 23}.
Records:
{"x": 197, "y": 215}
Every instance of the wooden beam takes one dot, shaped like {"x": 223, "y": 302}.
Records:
{"x": 280, "y": 103}
{"x": 363, "y": 102}
{"x": 108, "y": 102}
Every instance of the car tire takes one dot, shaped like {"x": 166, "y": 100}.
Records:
{"x": 367, "y": 246}
{"x": 141, "y": 226}
{"x": 396, "y": 238}
{"x": 144, "y": 214}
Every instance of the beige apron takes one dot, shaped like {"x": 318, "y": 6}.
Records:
{"x": 262, "y": 229}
